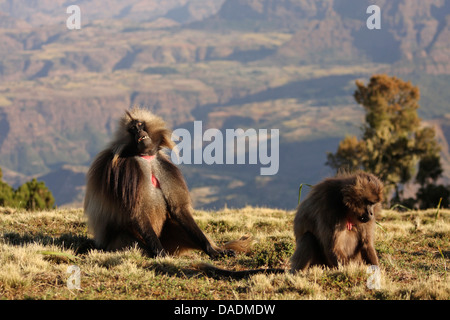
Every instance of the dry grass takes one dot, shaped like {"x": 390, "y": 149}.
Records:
{"x": 37, "y": 248}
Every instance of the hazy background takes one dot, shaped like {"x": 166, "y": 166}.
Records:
{"x": 283, "y": 64}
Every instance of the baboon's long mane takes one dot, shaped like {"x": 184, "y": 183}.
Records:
{"x": 118, "y": 169}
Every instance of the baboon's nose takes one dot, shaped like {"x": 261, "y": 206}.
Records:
{"x": 364, "y": 218}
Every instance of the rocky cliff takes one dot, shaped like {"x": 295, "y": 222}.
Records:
{"x": 284, "y": 64}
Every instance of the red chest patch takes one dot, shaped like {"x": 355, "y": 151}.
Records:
{"x": 155, "y": 181}
{"x": 349, "y": 225}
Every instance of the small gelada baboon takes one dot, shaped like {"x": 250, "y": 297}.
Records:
{"x": 334, "y": 225}
{"x": 136, "y": 195}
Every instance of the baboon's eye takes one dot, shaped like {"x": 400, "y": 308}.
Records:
{"x": 140, "y": 126}
{"x": 136, "y": 126}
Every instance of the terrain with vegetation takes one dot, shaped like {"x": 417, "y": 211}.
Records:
{"x": 36, "y": 249}
{"x": 289, "y": 65}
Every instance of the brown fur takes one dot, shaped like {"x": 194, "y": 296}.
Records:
{"x": 124, "y": 207}
{"x": 320, "y": 225}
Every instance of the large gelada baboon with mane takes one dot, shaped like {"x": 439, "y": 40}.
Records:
{"x": 136, "y": 195}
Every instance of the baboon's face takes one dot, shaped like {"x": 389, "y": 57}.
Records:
{"x": 363, "y": 198}
{"x": 139, "y": 133}
{"x": 368, "y": 211}
{"x": 369, "y": 203}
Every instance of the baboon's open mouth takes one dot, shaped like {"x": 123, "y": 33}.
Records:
{"x": 143, "y": 138}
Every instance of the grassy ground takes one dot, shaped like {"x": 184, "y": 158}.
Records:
{"x": 37, "y": 248}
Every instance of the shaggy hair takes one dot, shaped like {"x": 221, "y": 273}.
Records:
{"x": 135, "y": 194}
{"x": 335, "y": 223}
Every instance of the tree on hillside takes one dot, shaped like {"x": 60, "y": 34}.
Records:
{"x": 6, "y": 193}
{"x": 430, "y": 193}
{"x": 32, "y": 195}
{"x": 393, "y": 141}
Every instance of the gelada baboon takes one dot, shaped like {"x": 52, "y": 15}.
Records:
{"x": 136, "y": 195}
{"x": 334, "y": 224}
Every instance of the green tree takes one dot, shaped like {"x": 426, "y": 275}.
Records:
{"x": 34, "y": 195}
{"x": 6, "y": 193}
{"x": 393, "y": 141}
{"x": 430, "y": 194}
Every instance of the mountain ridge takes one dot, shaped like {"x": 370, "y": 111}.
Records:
{"x": 287, "y": 64}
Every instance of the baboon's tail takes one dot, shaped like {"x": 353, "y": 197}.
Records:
{"x": 243, "y": 244}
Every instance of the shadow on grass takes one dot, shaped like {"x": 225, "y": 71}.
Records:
{"x": 166, "y": 268}
{"x": 80, "y": 244}
{"x": 210, "y": 271}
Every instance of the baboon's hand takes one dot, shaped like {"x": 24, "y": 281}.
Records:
{"x": 221, "y": 254}
{"x": 228, "y": 253}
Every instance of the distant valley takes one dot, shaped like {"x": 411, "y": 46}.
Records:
{"x": 288, "y": 65}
